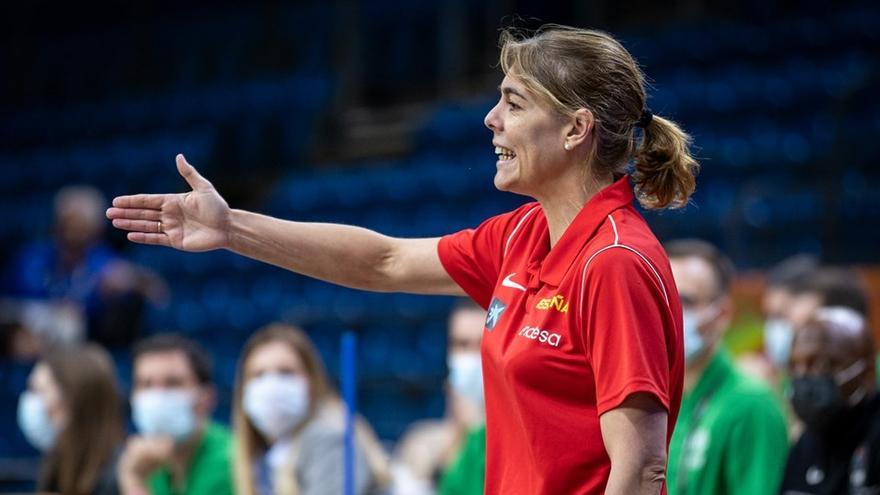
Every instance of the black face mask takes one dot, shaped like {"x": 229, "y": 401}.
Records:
{"x": 816, "y": 399}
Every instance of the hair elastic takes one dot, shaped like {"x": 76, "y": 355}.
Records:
{"x": 645, "y": 119}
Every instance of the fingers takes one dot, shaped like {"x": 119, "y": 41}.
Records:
{"x": 152, "y": 201}
{"x": 149, "y": 238}
{"x": 195, "y": 181}
{"x": 134, "y": 214}
{"x": 147, "y": 226}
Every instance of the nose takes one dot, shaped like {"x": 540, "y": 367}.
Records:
{"x": 492, "y": 121}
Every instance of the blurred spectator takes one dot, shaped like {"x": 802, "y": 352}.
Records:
{"x": 826, "y": 286}
{"x": 290, "y": 425}
{"x": 800, "y": 289}
{"x": 777, "y": 298}
{"x": 834, "y": 393}
{"x": 72, "y": 412}
{"x": 731, "y": 434}
{"x": 454, "y": 447}
{"x": 78, "y": 271}
{"x": 17, "y": 342}
{"x": 179, "y": 450}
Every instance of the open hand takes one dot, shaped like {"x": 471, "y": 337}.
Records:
{"x": 194, "y": 221}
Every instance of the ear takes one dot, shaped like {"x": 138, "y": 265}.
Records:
{"x": 579, "y": 128}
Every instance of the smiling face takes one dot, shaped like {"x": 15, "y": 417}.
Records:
{"x": 529, "y": 137}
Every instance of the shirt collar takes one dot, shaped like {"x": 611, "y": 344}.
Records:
{"x": 595, "y": 211}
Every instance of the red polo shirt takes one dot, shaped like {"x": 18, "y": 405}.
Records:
{"x": 571, "y": 332}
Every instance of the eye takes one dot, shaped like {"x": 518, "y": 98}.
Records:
{"x": 687, "y": 301}
{"x": 513, "y": 106}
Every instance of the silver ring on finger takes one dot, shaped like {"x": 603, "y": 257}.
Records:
{"x": 159, "y": 227}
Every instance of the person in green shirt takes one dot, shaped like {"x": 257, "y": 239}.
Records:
{"x": 731, "y": 434}
{"x": 447, "y": 455}
{"x": 466, "y": 474}
{"x": 178, "y": 451}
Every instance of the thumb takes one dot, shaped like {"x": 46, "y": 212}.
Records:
{"x": 192, "y": 177}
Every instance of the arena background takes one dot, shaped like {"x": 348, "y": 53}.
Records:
{"x": 371, "y": 113}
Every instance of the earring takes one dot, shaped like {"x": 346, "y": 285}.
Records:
{"x": 567, "y": 147}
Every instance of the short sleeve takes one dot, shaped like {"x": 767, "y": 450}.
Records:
{"x": 628, "y": 328}
{"x": 473, "y": 257}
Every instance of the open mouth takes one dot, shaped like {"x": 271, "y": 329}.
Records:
{"x": 504, "y": 153}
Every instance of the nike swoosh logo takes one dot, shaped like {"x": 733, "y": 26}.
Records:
{"x": 510, "y": 283}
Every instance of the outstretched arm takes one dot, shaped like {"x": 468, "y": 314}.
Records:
{"x": 200, "y": 220}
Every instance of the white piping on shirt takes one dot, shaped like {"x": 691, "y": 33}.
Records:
{"x": 614, "y": 226}
{"x": 617, "y": 244}
{"x": 515, "y": 229}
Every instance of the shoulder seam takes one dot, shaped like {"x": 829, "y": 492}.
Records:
{"x": 617, "y": 244}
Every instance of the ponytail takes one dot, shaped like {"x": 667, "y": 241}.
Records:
{"x": 664, "y": 168}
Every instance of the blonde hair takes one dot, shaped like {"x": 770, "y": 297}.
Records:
{"x": 573, "y": 68}
{"x": 250, "y": 444}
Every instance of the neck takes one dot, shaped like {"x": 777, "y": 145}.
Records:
{"x": 567, "y": 196}
{"x": 183, "y": 454}
{"x": 694, "y": 370}
{"x": 69, "y": 256}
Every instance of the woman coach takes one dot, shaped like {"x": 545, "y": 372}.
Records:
{"x": 582, "y": 350}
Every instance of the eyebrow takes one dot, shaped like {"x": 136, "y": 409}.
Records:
{"x": 507, "y": 90}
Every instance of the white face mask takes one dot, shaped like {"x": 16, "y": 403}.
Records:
{"x": 34, "y": 421}
{"x": 466, "y": 375}
{"x": 164, "y": 412}
{"x": 778, "y": 336}
{"x": 694, "y": 342}
{"x": 275, "y": 403}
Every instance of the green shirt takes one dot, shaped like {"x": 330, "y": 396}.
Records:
{"x": 209, "y": 473}
{"x": 466, "y": 474}
{"x": 730, "y": 437}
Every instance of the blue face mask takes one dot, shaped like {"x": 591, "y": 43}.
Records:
{"x": 466, "y": 376}
{"x": 34, "y": 421}
{"x": 164, "y": 412}
{"x": 693, "y": 341}
{"x": 778, "y": 335}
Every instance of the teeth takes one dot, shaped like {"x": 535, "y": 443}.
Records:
{"x": 504, "y": 153}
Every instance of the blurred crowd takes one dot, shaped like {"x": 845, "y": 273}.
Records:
{"x": 799, "y": 415}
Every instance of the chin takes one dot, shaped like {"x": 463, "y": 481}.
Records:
{"x": 511, "y": 185}
{"x": 503, "y": 182}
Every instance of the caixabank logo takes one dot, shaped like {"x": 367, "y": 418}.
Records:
{"x": 496, "y": 308}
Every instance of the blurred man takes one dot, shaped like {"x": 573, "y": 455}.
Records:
{"x": 833, "y": 391}
{"x": 731, "y": 434}
{"x": 433, "y": 449}
{"x": 79, "y": 273}
{"x": 826, "y": 286}
{"x": 791, "y": 300}
{"x": 777, "y": 298}
{"x": 179, "y": 450}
